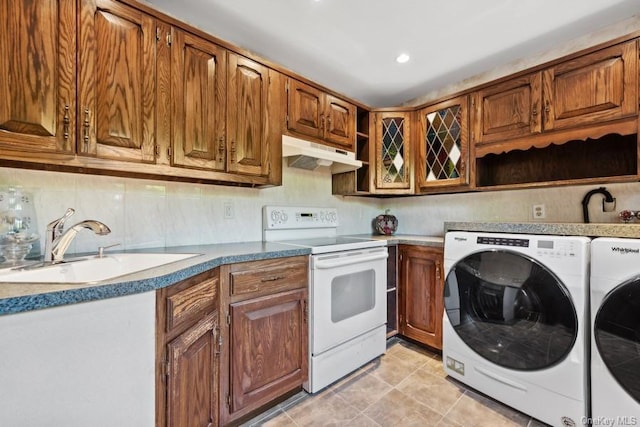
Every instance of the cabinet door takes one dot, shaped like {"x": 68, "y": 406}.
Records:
{"x": 305, "y": 113}
{"x": 507, "y": 110}
{"x": 393, "y": 152}
{"x": 268, "y": 348}
{"x": 199, "y": 99}
{"x": 116, "y": 66}
{"x": 421, "y": 298}
{"x": 340, "y": 122}
{"x": 37, "y": 64}
{"x": 192, "y": 376}
{"x": 593, "y": 88}
{"x": 247, "y": 116}
{"x": 443, "y": 144}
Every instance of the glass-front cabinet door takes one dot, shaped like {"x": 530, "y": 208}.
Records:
{"x": 443, "y": 147}
{"x": 393, "y": 152}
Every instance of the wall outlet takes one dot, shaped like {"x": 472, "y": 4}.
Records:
{"x": 228, "y": 210}
{"x": 539, "y": 212}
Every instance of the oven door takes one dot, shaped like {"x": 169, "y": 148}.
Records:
{"x": 348, "y": 296}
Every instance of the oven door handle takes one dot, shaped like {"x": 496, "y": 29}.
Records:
{"x": 340, "y": 262}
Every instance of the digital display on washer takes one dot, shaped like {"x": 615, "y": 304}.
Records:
{"x": 545, "y": 244}
{"x": 503, "y": 241}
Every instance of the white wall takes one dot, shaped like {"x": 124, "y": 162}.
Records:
{"x": 426, "y": 215}
{"x": 146, "y": 213}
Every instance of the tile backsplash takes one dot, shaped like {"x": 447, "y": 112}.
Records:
{"x": 146, "y": 213}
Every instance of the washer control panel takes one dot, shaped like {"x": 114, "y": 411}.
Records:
{"x": 289, "y": 217}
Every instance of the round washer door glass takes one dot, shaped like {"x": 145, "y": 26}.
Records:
{"x": 617, "y": 334}
{"x": 510, "y": 309}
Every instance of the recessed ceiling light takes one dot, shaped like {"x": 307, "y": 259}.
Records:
{"x": 402, "y": 58}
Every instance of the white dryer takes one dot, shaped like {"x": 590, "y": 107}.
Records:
{"x": 615, "y": 344}
{"x": 515, "y": 325}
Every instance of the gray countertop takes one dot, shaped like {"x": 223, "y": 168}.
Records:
{"x": 549, "y": 228}
{"x": 21, "y": 297}
{"x": 406, "y": 239}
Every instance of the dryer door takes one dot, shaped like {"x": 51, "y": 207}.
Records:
{"x": 510, "y": 309}
{"x": 617, "y": 334}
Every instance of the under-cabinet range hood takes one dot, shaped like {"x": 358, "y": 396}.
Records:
{"x": 309, "y": 155}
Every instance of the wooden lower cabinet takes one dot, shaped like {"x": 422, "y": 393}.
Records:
{"x": 265, "y": 306}
{"x": 188, "y": 352}
{"x": 192, "y": 375}
{"x": 420, "y": 294}
{"x": 268, "y": 348}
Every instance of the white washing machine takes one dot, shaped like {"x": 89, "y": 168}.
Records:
{"x": 516, "y": 319}
{"x": 615, "y": 343}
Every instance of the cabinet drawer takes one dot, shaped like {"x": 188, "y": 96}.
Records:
{"x": 262, "y": 277}
{"x": 188, "y": 305}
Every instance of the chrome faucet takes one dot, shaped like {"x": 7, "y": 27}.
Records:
{"x": 608, "y": 202}
{"x": 57, "y": 240}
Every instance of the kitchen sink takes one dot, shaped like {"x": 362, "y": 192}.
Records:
{"x": 90, "y": 269}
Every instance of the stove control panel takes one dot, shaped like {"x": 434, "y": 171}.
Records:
{"x": 290, "y": 217}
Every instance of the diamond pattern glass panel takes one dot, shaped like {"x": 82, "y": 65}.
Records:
{"x": 393, "y": 155}
{"x": 443, "y": 144}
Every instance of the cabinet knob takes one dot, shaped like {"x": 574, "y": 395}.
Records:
{"x": 233, "y": 152}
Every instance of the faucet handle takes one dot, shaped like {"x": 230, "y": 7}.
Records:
{"x": 58, "y": 224}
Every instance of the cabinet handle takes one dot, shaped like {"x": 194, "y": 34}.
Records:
{"x": 438, "y": 270}
{"x": 272, "y": 278}
{"x": 221, "y": 149}
{"x": 322, "y": 121}
{"x": 534, "y": 112}
{"x": 85, "y": 126}
{"x": 233, "y": 152}
{"x": 66, "y": 120}
{"x": 328, "y": 124}
{"x": 463, "y": 165}
{"x": 305, "y": 311}
{"x": 546, "y": 107}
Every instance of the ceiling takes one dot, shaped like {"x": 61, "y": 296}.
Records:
{"x": 350, "y": 46}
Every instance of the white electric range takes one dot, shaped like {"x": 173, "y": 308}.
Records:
{"x": 347, "y": 290}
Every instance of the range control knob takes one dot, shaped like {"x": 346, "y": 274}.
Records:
{"x": 275, "y": 216}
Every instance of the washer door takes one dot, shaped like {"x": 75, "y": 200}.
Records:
{"x": 617, "y": 334}
{"x": 511, "y": 310}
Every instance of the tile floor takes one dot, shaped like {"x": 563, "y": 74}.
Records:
{"x": 405, "y": 387}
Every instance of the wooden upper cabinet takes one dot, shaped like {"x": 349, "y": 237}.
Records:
{"x": 199, "y": 102}
{"x": 507, "y": 110}
{"x": 312, "y": 112}
{"x": 340, "y": 127}
{"x": 589, "y": 90}
{"x": 443, "y": 144}
{"x": 116, "y": 66}
{"x": 247, "y": 116}
{"x": 37, "y": 64}
{"x": 593, "y": 88}
{"x": 306, "y": 111}
{"x": 393, "y": 152}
